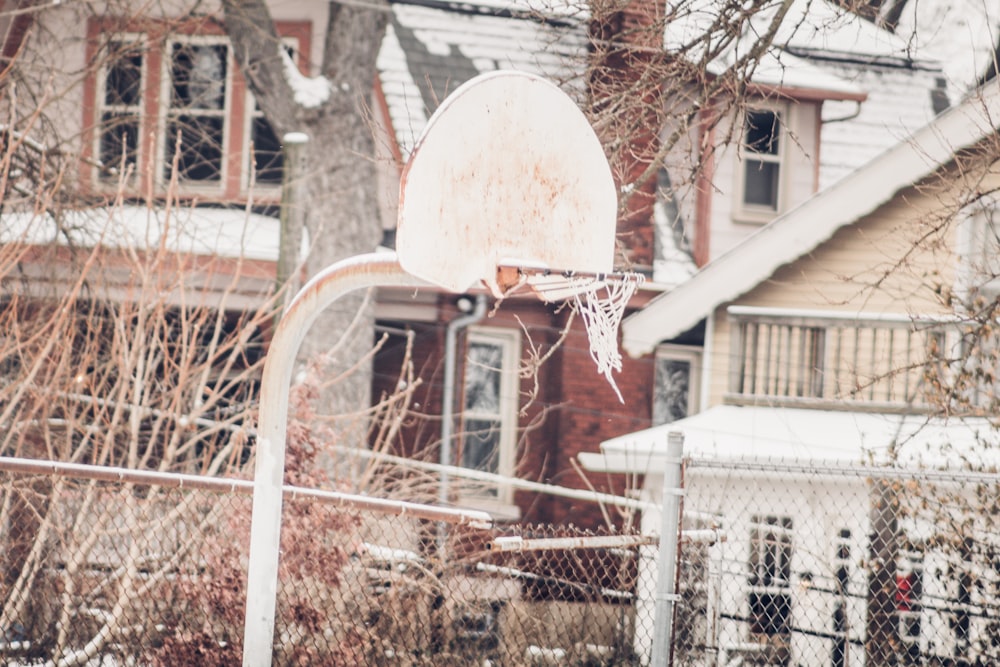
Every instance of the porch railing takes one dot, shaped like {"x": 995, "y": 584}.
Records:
{"x": 879, "y": 363}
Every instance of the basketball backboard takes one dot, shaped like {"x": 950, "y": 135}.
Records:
{"x": 507, "y": 172}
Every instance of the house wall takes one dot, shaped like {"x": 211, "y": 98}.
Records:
{"x": 708, "y": 204}
{"x": 566, "y": 407}
{"x": 893, "y": 261}
{"x": 61, "y": 74}
{"x": 798, "y": 176}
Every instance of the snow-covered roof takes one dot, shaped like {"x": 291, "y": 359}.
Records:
{"x": 787, "y": 435}
{"x": 430, "y": 48}
{"x": 961, "y": 34}
{"x": 217, "y": 232}
{"x": 802, "y": 229}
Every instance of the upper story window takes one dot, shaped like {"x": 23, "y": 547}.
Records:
{"x": 489, "y": 417}
{"x": 197, "y": 109}
{"x": 120, "y": 95}
{"x": 760, "y": 186}
{"x": 173, "y": 105}
{"x": 675, "y": 383}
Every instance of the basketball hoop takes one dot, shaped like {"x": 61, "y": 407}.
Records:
{"x": 599, "y": 299}
{"x": 507, "y": 181}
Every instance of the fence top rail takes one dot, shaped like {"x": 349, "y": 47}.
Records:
{"x": 473, "y": 518}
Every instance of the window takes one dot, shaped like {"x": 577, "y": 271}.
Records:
{"x": 167, "y": 101}
{"x": 769, "y": 577}
{"x": 197, "y": 111}
{"x": 982, "y": 252}
{"x": 761, "y": 169}
{"x": 489, "y": 418}
{"x": 120, "y": 105}
{"x": 675, "y": 384}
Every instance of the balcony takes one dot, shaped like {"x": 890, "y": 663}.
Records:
{"x": 828, "y": 360}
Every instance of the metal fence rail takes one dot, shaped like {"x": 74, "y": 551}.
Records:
{"x": 112, "y": 566}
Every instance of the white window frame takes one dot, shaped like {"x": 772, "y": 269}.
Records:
{"x": 755, "y": 213}
{"x": 509, "y": 341}
{"x": 784, "y": 530}
{"x": 978, "y": 222}
{"x": 162, "y": 161}
{"x": 690, "y": 355}
{"x": 100, "y": 106}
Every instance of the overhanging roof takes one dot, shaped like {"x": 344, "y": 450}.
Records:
{"x": 814, "y": 221}
{"x": 787, "y": 435}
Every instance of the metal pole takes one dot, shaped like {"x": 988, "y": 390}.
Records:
{"x": 372, "y": 270}
{"x": 666, "y": 589}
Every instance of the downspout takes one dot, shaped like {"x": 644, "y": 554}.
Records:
{"x": 448, "y": 396}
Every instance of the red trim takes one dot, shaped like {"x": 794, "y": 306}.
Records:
{"x": 703, "y": 186}
{"x": 383, "y": 107}
{"x": 156, "y": 32}
{"x": 819, "y": 146}
{"x": 17, "y": 31}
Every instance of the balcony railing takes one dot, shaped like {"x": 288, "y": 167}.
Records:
{"x": 879, "y": 363}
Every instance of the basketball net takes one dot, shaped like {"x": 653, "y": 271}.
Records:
{"x": 599, "y": 298}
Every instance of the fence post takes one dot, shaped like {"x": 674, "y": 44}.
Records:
{"x": 666, "y": 579}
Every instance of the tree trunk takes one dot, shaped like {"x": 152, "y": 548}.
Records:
{"x": 338, "y": 191}
{"x": 881, "y": 636}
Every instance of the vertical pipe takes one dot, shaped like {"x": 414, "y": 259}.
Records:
{"x": 448, "y": 399}
{"x": 373, "y": 270}
{"x": 666, "y": 579}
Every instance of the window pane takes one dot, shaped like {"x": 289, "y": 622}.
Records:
{"x": 119, "y": 136}
{"x": 123, "y": 81}
{"x": 482, "y": 378}
{"x": 200, "y": 156}
{"x": 670, "y": 395}
{"x": 198, "y": 74}
{"x": 481, "y": 443}
{"x": 761, "y": 184}
{"x": 267, "y": 158}
{"x": 762, "y": 132}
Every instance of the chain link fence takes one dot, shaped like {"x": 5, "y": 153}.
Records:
{"x": 779, "y": 565}
{"x": 839, "y": 565}
{"x": 109, "y": 567}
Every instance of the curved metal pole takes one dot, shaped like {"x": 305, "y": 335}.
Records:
{"x": 363, "y": 271}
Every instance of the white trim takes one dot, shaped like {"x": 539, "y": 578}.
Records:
{"x": 161, "y": 161}
{"x": 814, "y": 221}
{"x": 691, "y": 354}
{"x": 752, "y": 213}
{"x": 509, "y": 341}
{"x": 108, "y": 38}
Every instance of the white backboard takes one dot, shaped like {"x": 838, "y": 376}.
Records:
{"x": 507, "y": 171}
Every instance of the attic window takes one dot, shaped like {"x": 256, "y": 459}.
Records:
{"x": 761, "y": 167}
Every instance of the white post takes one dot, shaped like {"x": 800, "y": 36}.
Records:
{"x": 666, "y": 589}
{"x": 372, "y": 270}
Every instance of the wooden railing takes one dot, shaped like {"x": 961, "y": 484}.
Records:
{"x": 835, "y": 361}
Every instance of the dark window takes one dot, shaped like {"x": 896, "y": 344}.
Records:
{"x": 197, "y": 113}
{"x": 121, "y": 107}
{"x": 769, "y": 577}
{"x": 670, "y": 397}
{"x": 762, "y": 159}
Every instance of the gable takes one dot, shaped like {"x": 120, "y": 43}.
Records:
{"x": 806, "y": 227}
